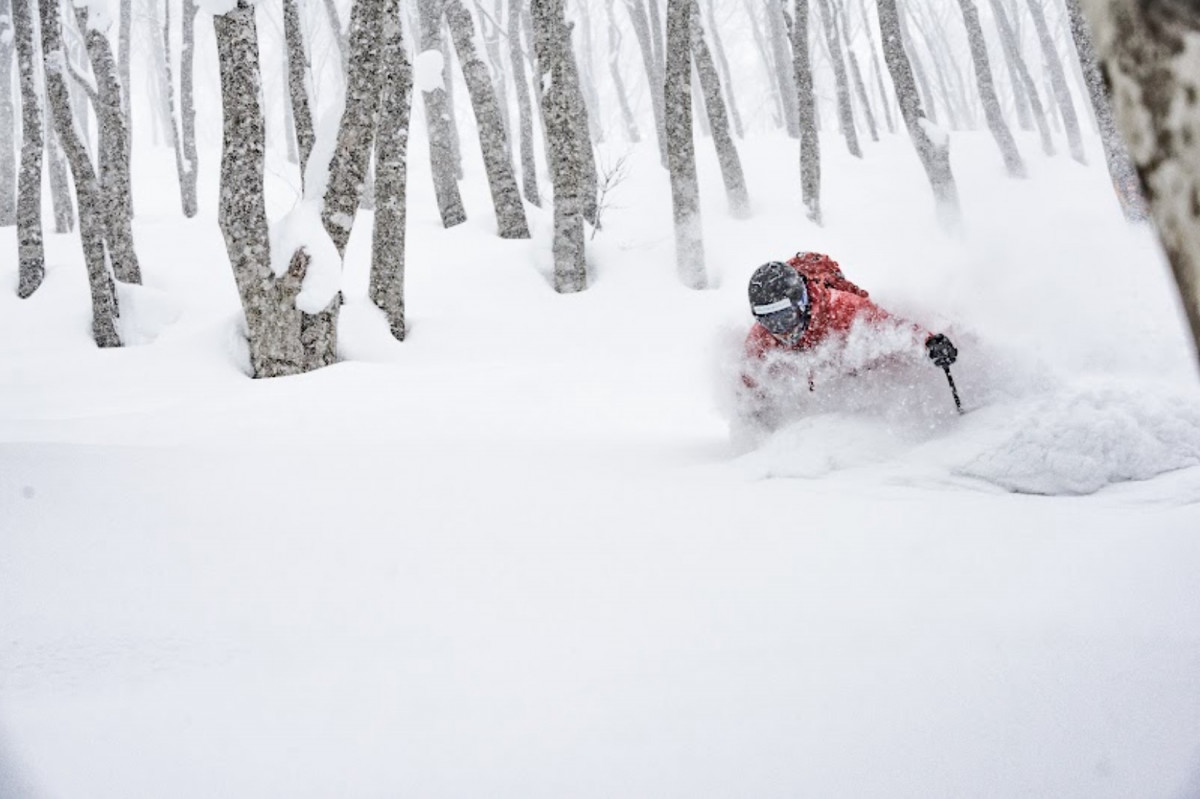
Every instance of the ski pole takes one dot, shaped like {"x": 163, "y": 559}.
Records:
{"x": 953, "y": 388}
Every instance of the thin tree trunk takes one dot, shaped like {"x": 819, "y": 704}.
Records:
{"x": 298, "y": 66}
{"x": 437, "y": 119}
{"x": 845, "y": 111}
{"x": 1011, "y": 44}
{"x": 987, "y": 91}
{"x": 1020, "y": 98}
{"x": 124, "y": 42}
{"x": 787, "y": 82}
{"x": 641, "y": 29}
{"x": 448, "y": 78}
{"x": 91, "y": 221}
{"x": 340, "y": 37}
{"x": 31, "y": 258}
{"x": 187, "y": 107}
{"x": 810, "y": 147}
{"x": 1058, "y": 82}
{"x": 563, "y": 146}
{"x": 506, "y": 197}
{"x": 524, "y": 107}
{"x": 860, "y": 89}
{"x": 918, "y": 69}
{"x": 587, "y": 75}
{"x": 760, "y": 46}
{"x": 723, "y": 66}
{"x": 60, "y": 183}
{"x": 714, "y": 104}
{"x": 8, "y": 121}
{"x": 614, "y": 72}
{"x": 681, "y": 153}
{"x": 391, "y": 174}
{"x": 884, "y": 97}
{"x": 930, "y": 143}
{"x": 908, "y": 20}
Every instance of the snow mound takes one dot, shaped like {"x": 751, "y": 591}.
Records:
{"x": 145, "y": 312}
{"x": 364, "y": 334}
{"x": 302, "y": 228}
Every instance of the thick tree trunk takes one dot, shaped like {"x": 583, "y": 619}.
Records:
{"x": 524, "y": 105}
{"x": 489, "y": 28}
{"x": 1147, "y": 55}
{"x": 810, "y": 147}
{"x": 987, "y": 92}
{"x": 787, "y": 81}
{"x": 654, "y": 76}
{"x": 115, "y": 184}
{"x": 845, "y": 111}
{"x": 31, "y": 258}
{"x": 681, "y": 153}
{"x": 931, "y": 144}
{"x": 714, "y": 104}
{"x": 437, "y": 119}
{"x": 87, "y": 189}
{"x": 391, "y": 174}
{"x": 506, "y": 197}
{"x": 297, "y": 64}
{"x": 1058, "y": 82}
{"x": 8, "y": 121}
{"x": 187, "y": 108}
{"x": 563, "y": 146}
{"x": 614, "y": 72}
{"x": 1012, "y": 46}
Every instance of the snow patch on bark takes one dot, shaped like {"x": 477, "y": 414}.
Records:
{"x": 301, "y": 229}
{"x": 427, "y": 70}
{"x": 216, "y": 7}
{"x": 936, "y": 134}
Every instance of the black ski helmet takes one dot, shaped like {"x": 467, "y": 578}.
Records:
{"x": 779, "y": 298}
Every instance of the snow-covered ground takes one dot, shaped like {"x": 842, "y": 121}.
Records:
{"x": 518, "y": 555}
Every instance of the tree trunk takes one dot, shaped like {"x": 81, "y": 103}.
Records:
{"x": 884, "y": 97}
{"x": 340, "y": 37}
{"x": 115, "y": 185}
{"x": 681, "y": 153}
{"x": 934, "y": 153}
{"x": 391, "y": 174}
{"x": 60, "y": 181}
{"x": 8, "y": 121}
{"x": 926, "y": 97}
{"x": 787, "y": 81}
{"x": 714, "y": 104}
{"x": 810, "y": 147}
{"x": 297, "y": 63}
{"x": 726, "y": 77}
{"x": 563, "y": 146}
{"x": 506, "y": 197}
{"x": 91, "y": 221}
{"x": 587, "y": 75}
{"x": 614, "y": 72}
{"x": 860, "y": 89}
{"x": 760, "y": 47}
{"x": 437, "y": 119}
{"x": 448, "y": 79}
{"x": 1011, "y": 44}
{"x": 124, "y": 41}
{"x": 845, "y": 111}
{"x": 641, "y": 29}
{"x": 489, "y": 28}
{"x": 524, "y": 107}
{"x": 987, "y": 91}
{"x": 1058, "y": 82}
{"x": 589, "y": 175}
{"x": 1148, "y": 58}
{"x": 1020, "y": 98}
{"x": 31, "y": 258}
{"x": 187, "y": 108}
{"x": 1116, "y": 157}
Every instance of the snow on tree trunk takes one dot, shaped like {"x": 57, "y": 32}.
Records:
{"x": 91, "y": 220}
{"x": 524, "y": 106}
{"x": 391, "y": 174}
{"x": 8, "y": 121}
{"x": 714, "y": 104}
{"x": 579, "y": 112}
{"x": 116, "y": 189}
{"x": 1150, "y": 57}
{"x": 506, "y": 197}
{"x": 723, "y": 66}
{"x": 845, "y": 111}
{"x": 60, "y": 183}
{"x": 563, "y": 145}
{"x": 437, "y": 119}
{"x": 31, "y": 258}
{"x": 1011, "y": 44}
{"x": 681, "y": 151}
{"x": 641, "y": 29}
{"x": 272, "y": 319}
{"x": 1116, "y": 157}
{"x": 787, "y": 80}
{"x": 187, "y": 107}
{"x": 987, "y": 91}
{"x": 810, "y": 146}
{"x": 932, "y": 145}
{"x": 614, "y": 72}
{"x": 1058, "y": 82}
{"x": 297, "y": 64}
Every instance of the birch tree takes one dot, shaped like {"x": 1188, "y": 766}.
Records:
{"x": 437, "y": 119}
{"x": 681, "y": 153}
{"x": 1058, "y": 81}
{"x": 810, "y": 148}
{"x": 727, "y": 155}
{"x": 1147, "y": 53}
{"x": 987, "y": 91}
{"x": 31, "y": 258}
{"x": 8, "y": 121}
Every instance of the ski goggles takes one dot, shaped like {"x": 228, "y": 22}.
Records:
{"x": 783, "y": 316}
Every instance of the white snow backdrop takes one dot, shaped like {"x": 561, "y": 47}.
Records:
{"x": 518, "y": 554}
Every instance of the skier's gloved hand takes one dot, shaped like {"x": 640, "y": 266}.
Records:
{"x": 941, "y": 350}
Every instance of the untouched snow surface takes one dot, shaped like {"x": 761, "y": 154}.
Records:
{"x": 521, "y": 555}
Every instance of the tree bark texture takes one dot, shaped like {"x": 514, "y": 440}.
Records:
{"x": 124, "y": 42}
{"x": 87, "y": 189}
{"x": 714, "y": 103}
{"x": 297, "y": 64}
{"x": 1012, "y": 46}
{"x": 31, "y": 258}
{"x": 681, "y": 152}
{"x": 489, "y": 28}
{"x": 524, "y": 105}
{"x": 187, "y": 108}
{"x": 934, "y": 155}
{"x": 8, "y": 121}
{"x": 1058, "y": 82}
{"x": 810, "y": 147}
{"x": 563, "y": 146}
{"x": 987, "y": 92}
{"x": 437, "y": 118}
{"x": 842, "y": 83}
{"x": 1148, "y": 55}
{"x": 506, "y": 197}
{"x": 579, "y": 111}
{"x": 60, "y": 183}
{"x": 391, "y": 174}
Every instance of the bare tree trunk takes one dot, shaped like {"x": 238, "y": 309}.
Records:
{"x": 589, "y": 174}
{"x": 727, "y": 154}
{"x": 987, "y": 91}
{"x": 489, "y": 28}
{"x": 1020, "y": 98}
{"x": 187, "y": 108}
{"x": 681, "y": 153}
{"x": 524, "y": 107}
{"x": 787, "y": 84}
{"x": 298, "y": 66}
{"x": 587, "y": 75}
{"x": 115, "y": 185}
{"x": 926, "y": 97}
{"x": 31, "y": 258}
{"x": 810, "y": 146}
{"x": 506, "y": 197}
{"x": 860, "y": 89}
{"x": 931, "y": 144}
{"x": 8, "y": 121}
{"x": 1116, "y": 157}
{"x": 1058, "y": 82}
{"x": 654, "y": 76}
{"x": 1012, "y": 46}
{"x": 760, "y": 46}
{"x": 391, "y": 174}
{"x": 614, "y": 72}
{"x": 908, "y": 21}
{"x": 124, "y": 41}
{"x": 884, "y": 97}
{"x": 845, "y": 111}
{"x": 1147, "y": 55}
{"x": 563, "y": 146}
{"x": 60, "y": 181}
{"x": 437, "y": 119}
{"x": 448, "y": 79}
{"x": 723, "y": 66}
{"x": 340, "y": 37}
{"x": 91, "y": 221}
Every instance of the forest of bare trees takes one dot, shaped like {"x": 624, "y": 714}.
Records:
{"x": 536, "y": 86}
